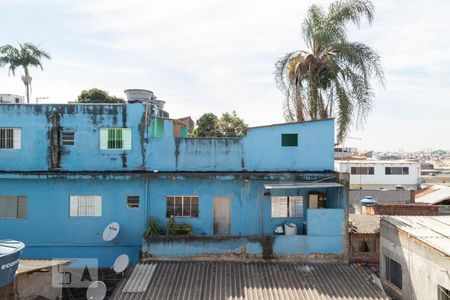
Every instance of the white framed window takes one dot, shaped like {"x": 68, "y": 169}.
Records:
{"x": 85, "y": 206}
{"x": 287, "y": 206}
{"x": 115, "y": 138}
{"x": 13, "y": 207}
{"x": 10, "y": 138}
{"x": 182, "y": 206}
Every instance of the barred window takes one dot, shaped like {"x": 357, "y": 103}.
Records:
{"x": 10, "y": 138}
{"x": 68, "y": 137}
{"x": 85, "y": 206}
{"x": 362, "y": 170}
{"x": 182, "y": 206}
{"x": 396, "y": 170}
{"x": 115, "y": 138}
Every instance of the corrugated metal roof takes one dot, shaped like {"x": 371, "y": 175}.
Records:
{"x": 302, "y": 185}
{"x": 139, "y": 278}
{"x": 365, "y": 223}
{"x": 432, "y": 230}
{"x": 29, "y": 265}
{"x": 433, "y": 194}
{"x": 252, "y": 280}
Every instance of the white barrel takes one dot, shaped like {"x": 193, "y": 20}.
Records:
{"x": 290, "y": 229}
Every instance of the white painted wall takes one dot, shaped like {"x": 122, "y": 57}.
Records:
{"x": 379, "y": 179}
{"x": 423, "y": 268}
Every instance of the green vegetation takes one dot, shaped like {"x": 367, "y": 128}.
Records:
{"x": 229, "y": 125}
{"x": 95, "y": 95}
{"x": 333, "y": 77}
{"x": 178, "y": 229}
{"x": 153, "y": 228}
{"x": 25, "y": 55}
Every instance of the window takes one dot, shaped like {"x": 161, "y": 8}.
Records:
{"x": 115, "y": 138}
{"x": 68, "y": 137}
{"x": 393, "y": 272}
{"x": 364, "y": 246}
{"x": 85, "y": 206}
{"x": 287, "y": 206}
{"x": 443, "y": 293}
{"x": 157, "y": 128}
{"x": 13, "y": 207}
{"x": 397, "y": 171}
{"x": 362, "y": 170}
{"x": 10, "y": 138}
{"x": 289, "y": 140}
{"x": 182, "y": 206}
{"x": 133, "y": 201}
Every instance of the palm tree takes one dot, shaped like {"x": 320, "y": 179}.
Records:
{"x": 333, "y": 77}
{"x": 25, "y": 56}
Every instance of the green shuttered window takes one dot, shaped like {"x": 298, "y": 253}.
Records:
{"x": 13, "y": 207}
{"x": 289, "y": 140}
{"x": 115, "y": 138}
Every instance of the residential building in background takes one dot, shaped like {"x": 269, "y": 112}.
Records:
{"x": 10, "y": 98}
{"x": 378, "y": 174}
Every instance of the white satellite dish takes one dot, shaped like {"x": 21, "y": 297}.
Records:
{"x": 111, "y": 231}
{"x": 96, "y": 291}
{"x": 121, "y": 263}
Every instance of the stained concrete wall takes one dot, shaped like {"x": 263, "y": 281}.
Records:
{"x": 423, "y": 268}
{"x": 259, "y": 150}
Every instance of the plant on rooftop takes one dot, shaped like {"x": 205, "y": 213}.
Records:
{"x": 229, "y": 125}
{"x": 333, "y": 77}
{"x": 26, "y": 55}
{"x": 178, "y": 229}
{"x": 95, "y": 95}
{"x": 153, "y": 228}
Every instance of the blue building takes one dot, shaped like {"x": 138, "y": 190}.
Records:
{"x": 66, "y": 171}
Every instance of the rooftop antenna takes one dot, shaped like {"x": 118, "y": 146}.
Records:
{"x": 96, "y": 291}
{"x": 111, "y": 231}
{"x": 121, "y": 263}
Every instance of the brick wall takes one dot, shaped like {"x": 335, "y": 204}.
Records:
{"x": 408, "y": 209}
{"x": 356, "y": 256}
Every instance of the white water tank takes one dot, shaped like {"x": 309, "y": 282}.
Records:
{"x": 290, "y": 229}
{"x": 139, "y": 95}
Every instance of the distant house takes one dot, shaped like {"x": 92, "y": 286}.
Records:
{"x": 379, "y": 174}
{"x": 415, "y": 256}
{"x": 434, "y": 194}
{"x": 67, "y": 171}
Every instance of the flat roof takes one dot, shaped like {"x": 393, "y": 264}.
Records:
{"x": 245, "y": 280}
{"x": 364, "y": 223}
{"x": 387, "y": 162}
{"x": 30, "y": 265}
{"x": 301, "y": 185}
{"x": 431, "y": 230}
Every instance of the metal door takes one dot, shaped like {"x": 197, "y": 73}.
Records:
{"x": 222, "y": 215}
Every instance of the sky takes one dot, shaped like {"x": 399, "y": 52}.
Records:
{"x": 218, "y": 56}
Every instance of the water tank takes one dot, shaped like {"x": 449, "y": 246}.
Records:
{"x": 367, "y": 201}
{"x": 290, "y": 229}
{"x": 139, "y": 95}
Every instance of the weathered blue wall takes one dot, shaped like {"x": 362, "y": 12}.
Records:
{"x": 49, "y": 231}
{"x": 259, "y": 150}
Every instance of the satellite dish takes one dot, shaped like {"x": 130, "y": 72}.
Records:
{"x": 111, "y": 231}
{"x": 96, "y": 291}
{"x": 121, "y": 263}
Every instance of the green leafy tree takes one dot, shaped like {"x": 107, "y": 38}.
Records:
{"x": 231, "y": 125}
{"x": 95, "y": 95}
{"x": 333, "y": 76}
{"x": 26, "y": 55}
{"x": 207, "y": 126}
